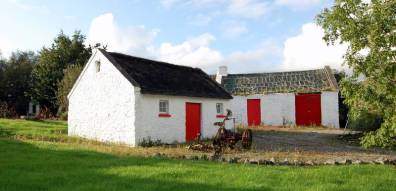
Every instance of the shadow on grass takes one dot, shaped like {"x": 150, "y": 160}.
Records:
{"x": 30, "y": 167}
{"x": 48, "y": 122}
{"x": 45, "y": 166}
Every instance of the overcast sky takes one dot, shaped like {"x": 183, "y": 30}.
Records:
{"x": 245, "y": 35}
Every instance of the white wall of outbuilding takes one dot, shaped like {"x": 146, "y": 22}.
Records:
{"x": 279, "y": 108}
{"x": 329, "y": 107}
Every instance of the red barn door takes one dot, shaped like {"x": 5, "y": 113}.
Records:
{"x": 308, "y": 109}
{"x": 193, "y": 120}
{"x": 253, "y": 112}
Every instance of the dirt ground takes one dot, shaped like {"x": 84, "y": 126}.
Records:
{"x": 316, "y": 144}
{"x": 292, "y": 144}
{"x": 315, "y": 140}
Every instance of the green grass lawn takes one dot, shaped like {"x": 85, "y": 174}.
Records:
{"x": 41, "y": 165}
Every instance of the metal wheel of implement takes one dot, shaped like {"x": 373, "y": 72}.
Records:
{"x": 247, "y": 139}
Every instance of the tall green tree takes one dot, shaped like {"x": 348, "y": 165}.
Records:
{"x": 71, "y": 74}
{"x": 15, "y": 78}
{"x": 63, "y": 52}
{"x": 369, "y": 31}
{"x": 2, "y": 66}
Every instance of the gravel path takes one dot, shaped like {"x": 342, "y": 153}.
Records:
{"x": 311, "y": 142}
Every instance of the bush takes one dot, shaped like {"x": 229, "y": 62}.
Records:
{"x": 365, "y": 122}
{"x": 63, "y": 116}
{"x": 147, "y": 142}
{"x": 45, "y": 113}
{"x": 7, "y": 111}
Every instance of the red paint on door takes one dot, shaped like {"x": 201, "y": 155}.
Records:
{"x": 253, "y": 112}
{"x": 193, "y": 120}
{"x": 308, "y": 109}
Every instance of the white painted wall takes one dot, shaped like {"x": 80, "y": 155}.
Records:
{"x": 330, "y": 114}
{"x": 173, "y": 129}
{"x": 275, "y": 108}
{"x": 101, "y": 105}
{"x": 279, "y": 107}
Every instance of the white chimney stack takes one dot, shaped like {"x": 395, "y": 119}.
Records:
{"x": 222, "y": 71}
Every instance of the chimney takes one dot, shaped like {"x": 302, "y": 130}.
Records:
{"x": 222, "y": 71}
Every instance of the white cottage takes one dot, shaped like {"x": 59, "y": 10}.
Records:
{"x": 283, "y": 98}
{"x": 125, "y": 99}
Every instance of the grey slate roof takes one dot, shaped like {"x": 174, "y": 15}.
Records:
{"x": 160, "y": 78}
{"x": 307, "y": 81}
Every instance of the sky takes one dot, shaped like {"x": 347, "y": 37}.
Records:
{"x": 244, "y": 35}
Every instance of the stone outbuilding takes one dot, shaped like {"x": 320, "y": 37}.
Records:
{"x": 124, "y": 99}
{"x": 301, "y": 98}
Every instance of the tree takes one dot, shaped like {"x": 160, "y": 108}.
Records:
{"x": 64, "y": 52}
{"x": 369, "y": 31}
{"x": 71, "y": 74}
{"x": 15, "y": 78}
{"x": 2, "y": 66}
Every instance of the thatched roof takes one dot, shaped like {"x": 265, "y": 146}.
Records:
{"x": 154, "y": 77}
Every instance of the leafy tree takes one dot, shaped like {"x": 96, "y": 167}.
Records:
{"x": 2, "y": 66}
{"x": 63, "y": 52}
{"x": 369, "y": 31}
{"x": 71, "y": 74}
{"x": 15, "y": 78}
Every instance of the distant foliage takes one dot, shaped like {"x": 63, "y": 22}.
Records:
{"x": 70, "y": 75}
{"x": 15, "y": 75}
{"x": 64, "y": 51}
{"x": 368, "y": 29}
{"x": 7, "y": 111}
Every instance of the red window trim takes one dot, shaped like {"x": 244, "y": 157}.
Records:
{"x": 220, "y": 116}
{"x": 164, "y": 115}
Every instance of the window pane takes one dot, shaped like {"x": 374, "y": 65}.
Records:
{"x": 219, "y": 108}
{"x": 163, "y": 106}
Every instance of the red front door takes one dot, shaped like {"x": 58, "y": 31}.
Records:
{"x": 253, "y": 112}
{"x": 308, "y": 109}
{"x": 193, "y": 120}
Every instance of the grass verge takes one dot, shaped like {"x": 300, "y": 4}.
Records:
{"x": 42, "y": 165}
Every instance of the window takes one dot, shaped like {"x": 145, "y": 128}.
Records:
{"x": 164, "y": 106}
{"x": 219, "y": 108}
{"x": 97, "y": 65}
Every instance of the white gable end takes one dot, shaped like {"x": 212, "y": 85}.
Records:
{"x": 102, "y": 103}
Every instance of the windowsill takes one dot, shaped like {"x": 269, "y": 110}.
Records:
{"x": 220, "y": 116}
{"x": 164, "y": 115}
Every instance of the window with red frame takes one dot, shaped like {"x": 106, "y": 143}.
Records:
{"x": 164, "y": 108}
{"x": 219, "y": 110}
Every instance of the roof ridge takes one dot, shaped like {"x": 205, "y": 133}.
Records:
{"x": 119, "y": 67}
{"x": 151, "y": 60}
{"x": 255, "y": 73}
